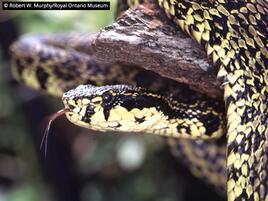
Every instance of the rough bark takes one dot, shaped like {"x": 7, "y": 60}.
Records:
{"x": 144, "y": 36}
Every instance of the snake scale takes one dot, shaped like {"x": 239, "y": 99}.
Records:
{"x": 234, "y": 33}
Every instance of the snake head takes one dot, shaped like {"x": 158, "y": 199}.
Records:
{"x": 134, "y": 109}
{"x": 116, "y": 107}
{"x": 89, "y": 106}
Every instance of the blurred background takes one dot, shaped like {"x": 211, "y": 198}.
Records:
{"x": 80, "y": 165}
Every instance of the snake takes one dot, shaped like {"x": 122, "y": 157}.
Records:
{"x": 233, "y": 32}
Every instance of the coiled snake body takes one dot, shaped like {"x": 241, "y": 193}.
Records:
{"x": 235, "y": 33}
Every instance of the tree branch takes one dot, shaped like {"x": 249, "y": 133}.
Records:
{"x": 144, "y": 36}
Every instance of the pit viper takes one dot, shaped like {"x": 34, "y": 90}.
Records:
{"x": 234, "y": 33}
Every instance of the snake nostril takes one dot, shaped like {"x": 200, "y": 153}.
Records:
{"x": 71, "y": 107}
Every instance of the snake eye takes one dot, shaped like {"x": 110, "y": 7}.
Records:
{"x": 107, "y": 98}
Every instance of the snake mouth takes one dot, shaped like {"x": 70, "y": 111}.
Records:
{"x": 99, "y": 124}
{"x": 80, "y": 117}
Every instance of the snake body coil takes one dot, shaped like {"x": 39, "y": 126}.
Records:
{"x": 235, "y": 34}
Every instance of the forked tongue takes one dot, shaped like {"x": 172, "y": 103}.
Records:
{"x": 50, "y": 119}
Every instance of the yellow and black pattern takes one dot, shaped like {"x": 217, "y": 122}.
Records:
{"x": 234, "y": 33}
{"x": 124, "y": 107}
{"x": 206, "y": 159}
